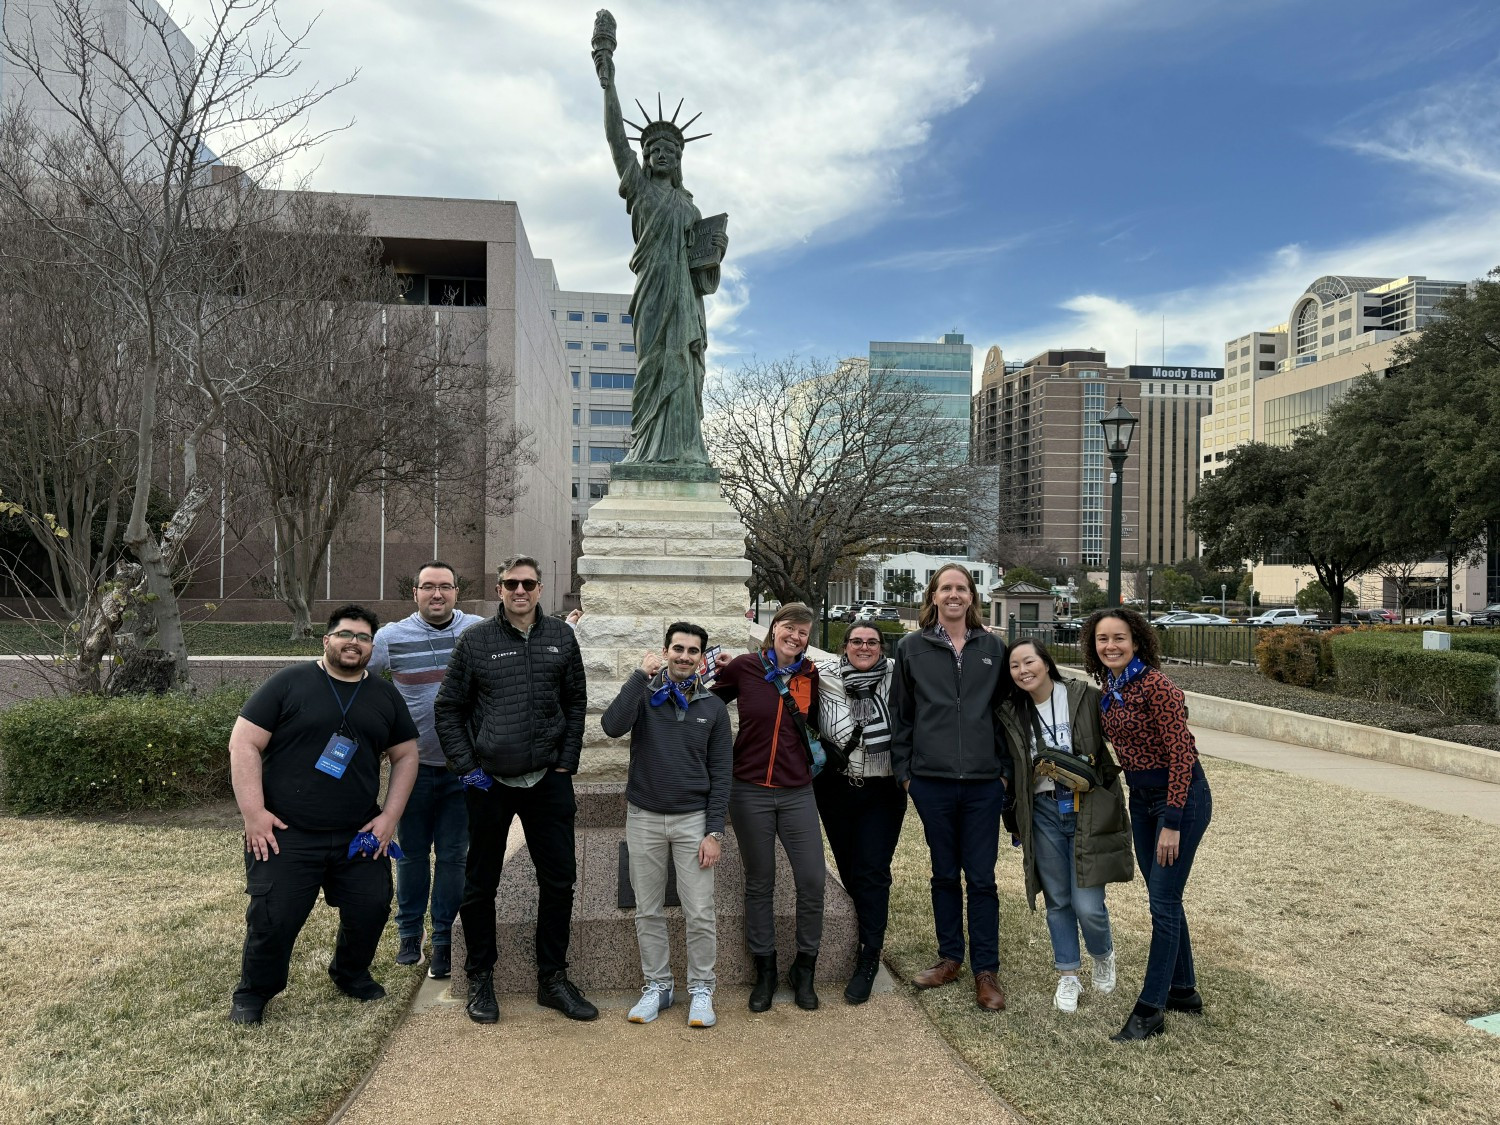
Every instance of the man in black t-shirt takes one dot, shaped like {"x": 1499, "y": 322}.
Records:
{"x": 304, "y": 756}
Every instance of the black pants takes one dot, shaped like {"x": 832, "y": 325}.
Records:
{"x": 862, "y": 825}
{"x": 282, "y": 889}
{"x": 546, "y": 810}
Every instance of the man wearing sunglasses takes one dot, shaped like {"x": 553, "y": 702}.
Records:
{"x": 509, "y": 716}
{"x": 304, "y": 756}
{"x": 416, "y": 650}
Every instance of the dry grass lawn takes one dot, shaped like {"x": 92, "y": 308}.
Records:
{"x": 1341, "y": 942}
{"x": 119, "y": 947}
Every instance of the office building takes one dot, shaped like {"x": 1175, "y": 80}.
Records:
{"x": 942, "y": 371}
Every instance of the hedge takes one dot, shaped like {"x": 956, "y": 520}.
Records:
{"x": 1290, "y": 654}
{"x": 90, "y": 752}
{"x": 1393, "y": 667}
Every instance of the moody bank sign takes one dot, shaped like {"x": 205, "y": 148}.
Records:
{"x": 1177, "y": 374}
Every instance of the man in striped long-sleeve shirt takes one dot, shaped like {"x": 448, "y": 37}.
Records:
{"x": 416, "y": 650}
{"x": 678, "y": 794}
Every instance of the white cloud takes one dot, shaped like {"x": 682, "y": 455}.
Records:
{"x": 1450, "y": 132}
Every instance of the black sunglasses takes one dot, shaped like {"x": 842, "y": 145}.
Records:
{"x": 527, "y": 584}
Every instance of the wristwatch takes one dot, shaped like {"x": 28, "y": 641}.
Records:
{"x": 717, "y": 836}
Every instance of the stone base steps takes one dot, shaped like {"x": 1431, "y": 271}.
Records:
{"x": 602, "y": 953}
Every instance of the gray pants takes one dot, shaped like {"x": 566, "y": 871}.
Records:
{"x": 650, "y": 837}
{"x": 760, "y": 815}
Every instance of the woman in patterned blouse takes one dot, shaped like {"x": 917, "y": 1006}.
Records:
{"x": 1145, "y": 718}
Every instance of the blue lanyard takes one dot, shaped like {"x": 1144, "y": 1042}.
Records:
{"x": 342, "y": 706}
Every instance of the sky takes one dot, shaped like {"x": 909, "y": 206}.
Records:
{"x": 1150, "y": 177}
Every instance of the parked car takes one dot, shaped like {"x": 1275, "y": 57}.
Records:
{"x": 889, "y": 613}
{"x": 1283, "y": 615}
{"x": 1440, "y": 617}
{"x": 1184, "y": 618}
{"x": 1489, "y": 615}
{"x": 1067, "y": 630}
{"x": 1369, "y": 615}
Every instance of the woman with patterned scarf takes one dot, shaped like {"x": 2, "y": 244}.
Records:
{"x": 863, "y": 806}
{"x": 1145, "y": 717}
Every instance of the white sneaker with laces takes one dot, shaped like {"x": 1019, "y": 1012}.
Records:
{"x": 655, "y": 999}
{"x": 1104, "y": 972}
{"x": 701, "y": 1010}
{"x": 1066, "y": 997}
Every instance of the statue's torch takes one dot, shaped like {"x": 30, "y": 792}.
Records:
{"x": 604, "y": 44}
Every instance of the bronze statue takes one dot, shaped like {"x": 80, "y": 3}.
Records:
{"x": 676, "y": 264}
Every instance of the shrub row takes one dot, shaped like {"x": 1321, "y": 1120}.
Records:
{"x": 1394, "y": 668}
{"x": 92, "y": 752}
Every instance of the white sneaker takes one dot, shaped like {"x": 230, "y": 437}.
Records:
{"x": 1066, "y": 997}
{"x": 701, "y": 1011}
{"x": 655, "y": 999}
{"x": 1104, "y": 972}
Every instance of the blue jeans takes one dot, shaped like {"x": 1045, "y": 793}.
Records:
{"x": 1170, "y": 962}
{"x": 961, "y": 820}
{"x": 435, "y": 819}
{"x": 1069, "y": 906}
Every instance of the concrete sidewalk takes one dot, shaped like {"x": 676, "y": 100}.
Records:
{"x": 1460, "y": 796}
{"x": 882, "y": 1060}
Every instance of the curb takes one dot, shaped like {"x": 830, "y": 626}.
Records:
{"x": 1340, "y": 737}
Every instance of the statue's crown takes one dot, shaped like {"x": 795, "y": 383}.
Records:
{"x": 660, "y": 126}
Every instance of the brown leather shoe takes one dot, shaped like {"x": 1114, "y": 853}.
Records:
{"x": 944, "y": 972}
{"x": 987, "y": 992}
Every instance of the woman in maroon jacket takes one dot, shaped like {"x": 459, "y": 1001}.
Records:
{"x": 1144, "y": 715}
{"x": 772, "y": 796}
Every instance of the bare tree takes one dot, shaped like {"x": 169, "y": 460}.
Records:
{"x": 121, "y": 174}
{"x": 360, "y": 396}
{"x": 828, "y": 463}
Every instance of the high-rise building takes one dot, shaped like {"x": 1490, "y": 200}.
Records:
{"x": 1038, "y": 422}
{"x": 942, "y": 371}
{"x": 598, "y": 341}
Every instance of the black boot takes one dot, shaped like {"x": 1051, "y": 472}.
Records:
{"x": 482, "y": 1007}
{"x": 800, "y": 977}
{"x": 1188, "y": 1000}
{"x": 765, "y": 983}
{"x": 1144, "y": 1023}
{"x": 857, "y": 991}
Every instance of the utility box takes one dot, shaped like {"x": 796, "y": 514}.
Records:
{"x": 1433, "y": 639}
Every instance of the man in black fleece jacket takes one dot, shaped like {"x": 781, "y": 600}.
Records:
{"x": 509, "y": 717}
{"x": 681, "y": 749}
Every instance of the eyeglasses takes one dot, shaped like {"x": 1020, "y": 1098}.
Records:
{"x": 514, "y": 584}
{"x": 857, "y": 643}
{"x": 433, "y": 587}
{"x": 346, "y": 635}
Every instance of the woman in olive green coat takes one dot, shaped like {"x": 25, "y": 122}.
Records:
{"x": 1074, "y": 843}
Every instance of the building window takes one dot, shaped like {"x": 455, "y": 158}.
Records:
{"x": 575, "y": 490}
{"x": 611, "y": 381}
{"x": 575, "y": 415}
{"x": 1268, "y": 349}
{"x": 575, "y": 315}
{"x": 1328, "y": 340}
{"x": 608, "y": 417}
{"x": 598, "y": 489}
{"x": 606, "y": 454}
{"x": 1345, "y": 333}
{"x": 627, "y": 347}
{"x": 574, "y": 345}
{"x": 626, "y": 318}
{"x": 1268, "y": 365}
{"x": 574, "y": 372}
{"x": 575, "y": 454}
{"x": 601, "y": 318}
{"x": 601, "y": 345}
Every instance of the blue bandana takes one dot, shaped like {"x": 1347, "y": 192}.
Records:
{"x": 670, "y": 688}
{"x": 768, "y": 659}
{"x": 1113, "y": 683}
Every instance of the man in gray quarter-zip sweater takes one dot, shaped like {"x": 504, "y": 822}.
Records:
{"x": 415, "y": 650}
{"x": 681, "y": 749}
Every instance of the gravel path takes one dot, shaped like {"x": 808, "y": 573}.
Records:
{"x": 1249, "y": 686}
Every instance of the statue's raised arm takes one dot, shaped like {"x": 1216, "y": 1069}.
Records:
{"x": 676, "y": 264}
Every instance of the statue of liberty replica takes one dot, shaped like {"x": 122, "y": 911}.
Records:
{"x": 676, "y": 264}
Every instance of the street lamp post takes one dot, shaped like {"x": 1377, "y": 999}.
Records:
{"x": 1148, "y": 593}
{"x": 1223, "y": 599}
{"x": 1119, "y": 427}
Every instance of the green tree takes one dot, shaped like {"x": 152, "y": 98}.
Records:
{"x": 1316, "y": 598}
{"x": 1299, "y": 503}
{"x": 1022, "y": 573}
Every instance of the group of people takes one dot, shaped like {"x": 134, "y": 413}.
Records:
{"x": 482, "y": 722}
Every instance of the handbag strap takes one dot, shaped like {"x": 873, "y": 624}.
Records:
{"x": 808, "y": 738}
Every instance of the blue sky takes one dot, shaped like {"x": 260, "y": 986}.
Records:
{"x": 1032, "y": 174}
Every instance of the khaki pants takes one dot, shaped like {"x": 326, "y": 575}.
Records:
{"x": 650, "y": 837}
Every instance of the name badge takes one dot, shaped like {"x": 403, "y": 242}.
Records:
{"x": 336, "y": 755}
{"x": 1066, "y": 804}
